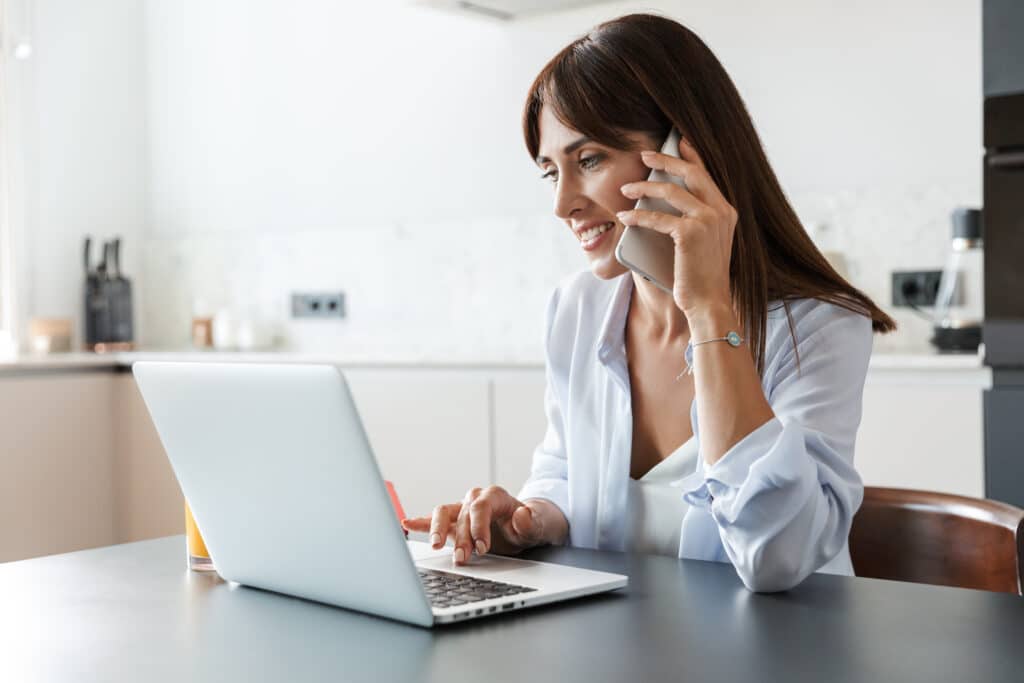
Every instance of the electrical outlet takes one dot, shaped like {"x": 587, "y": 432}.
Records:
{"x": 915, "y": 287}
{"x": 329, "y": 305}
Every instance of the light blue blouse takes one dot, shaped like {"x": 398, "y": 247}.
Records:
{"x": 778, "y": 505}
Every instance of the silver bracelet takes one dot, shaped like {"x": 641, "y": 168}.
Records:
{"x": 731, "y": 338}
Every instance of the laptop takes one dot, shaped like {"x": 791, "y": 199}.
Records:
{"x": 276, "y": 466}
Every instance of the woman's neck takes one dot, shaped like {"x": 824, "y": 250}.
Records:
{"x": 656, "y": 311}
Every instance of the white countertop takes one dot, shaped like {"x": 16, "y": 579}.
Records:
{"x": 882, "y": 359}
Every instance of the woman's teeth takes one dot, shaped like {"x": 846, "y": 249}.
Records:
{"x": 594, "y": 232}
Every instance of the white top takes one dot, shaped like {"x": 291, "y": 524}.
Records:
{"x": 656, "y": 508}
{"x": 778, "y": 505}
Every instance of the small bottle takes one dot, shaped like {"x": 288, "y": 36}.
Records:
{"x": 202, "y": 325}
{"x": 195, "y": 549}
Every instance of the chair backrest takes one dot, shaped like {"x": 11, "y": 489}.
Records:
{"x": 938, "y": 538}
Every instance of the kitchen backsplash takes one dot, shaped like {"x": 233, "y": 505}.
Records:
{"x": 475, "y": 290}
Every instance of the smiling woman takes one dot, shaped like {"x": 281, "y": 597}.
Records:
{"x": 622, "y": 87}
{"x": 747, "y": 460}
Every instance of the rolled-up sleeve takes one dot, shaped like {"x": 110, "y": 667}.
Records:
{"x": 549, "y": 472}
{"x": 784, "y": 497}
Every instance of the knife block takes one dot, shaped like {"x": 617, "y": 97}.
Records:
{"x": 108, "y": 307}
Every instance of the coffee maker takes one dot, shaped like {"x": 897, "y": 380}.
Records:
{"x": 960, "y": 302}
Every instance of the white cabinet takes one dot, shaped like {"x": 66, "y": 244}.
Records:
{"x": 148, "y": 501}
{"x": 430, "y": 431}
{"x": 922, "y": 429}
{"x": 56, "y": 463}
{"x": 81, "y": 465}
{"x": 519, "y": 425}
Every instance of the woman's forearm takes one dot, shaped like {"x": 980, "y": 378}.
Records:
{"x": 730, "y": 401}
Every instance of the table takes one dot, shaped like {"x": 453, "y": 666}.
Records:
{"x": 134, "y": 613}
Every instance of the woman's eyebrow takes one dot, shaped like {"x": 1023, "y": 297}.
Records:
{"x": 569, "y": 149}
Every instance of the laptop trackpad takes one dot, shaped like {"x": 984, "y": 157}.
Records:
{"x": 488, "y": 565}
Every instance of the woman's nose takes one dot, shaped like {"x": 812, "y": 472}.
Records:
{"x": 568, "y": 198}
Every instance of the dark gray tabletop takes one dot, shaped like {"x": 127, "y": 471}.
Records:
{"x": 132, "y": 612}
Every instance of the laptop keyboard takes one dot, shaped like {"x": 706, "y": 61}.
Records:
{"x": 450, "y": 590}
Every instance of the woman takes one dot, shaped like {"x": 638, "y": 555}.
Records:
{"x": 747, "y": 459}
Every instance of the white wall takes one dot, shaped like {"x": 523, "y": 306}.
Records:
{"x": 311, "y": 114}
{"x": 375, "y": 148}
{"x": 78, "y": 152}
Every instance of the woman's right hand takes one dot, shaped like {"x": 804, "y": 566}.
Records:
{"x": 492, "y": 520}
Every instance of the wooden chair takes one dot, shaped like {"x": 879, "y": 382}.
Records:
{"x": 938, "y": 538}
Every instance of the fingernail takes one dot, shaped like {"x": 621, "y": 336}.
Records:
{"x": 646, "y": 153}
{"x": 435, "y": 539}
{"x": 480, "y": 548}
{"x": 621, "y": 214}
{"x": 626, "y": 187}
{"x": 460, "y": 555}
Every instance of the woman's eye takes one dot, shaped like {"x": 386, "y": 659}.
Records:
{"x": 586, "y": 163}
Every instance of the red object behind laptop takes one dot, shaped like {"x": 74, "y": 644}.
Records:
{"x": 395, "y": 502}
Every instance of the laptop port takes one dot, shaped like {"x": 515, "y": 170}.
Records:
{"x": 508, "y": 605}
{"x": 479, "y": 612}
{"x": 492, "y": 610}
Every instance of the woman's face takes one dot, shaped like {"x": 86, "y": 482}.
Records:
{"x": 586, "y": 177}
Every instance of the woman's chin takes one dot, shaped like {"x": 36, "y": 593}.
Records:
{"x": 606, "y": 266}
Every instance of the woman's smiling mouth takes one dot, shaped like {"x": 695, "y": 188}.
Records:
{"x": 592, "y": 237}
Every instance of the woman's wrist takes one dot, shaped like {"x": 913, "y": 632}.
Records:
{"x": 710, "y": 321}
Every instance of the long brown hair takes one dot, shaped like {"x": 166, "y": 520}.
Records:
{"x": 646, "y": 73}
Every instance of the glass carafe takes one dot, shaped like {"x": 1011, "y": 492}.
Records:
{"x": 960, "y": 303}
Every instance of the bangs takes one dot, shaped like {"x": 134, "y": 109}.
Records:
{"x": 591, "y": 91}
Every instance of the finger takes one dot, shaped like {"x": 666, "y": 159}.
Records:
{"x": 691, "y": 169}
{"x": 689, "y": 153}
{"x": 524, "y": 526}
{"x": 679, "y": 198}
{"x": 480, "y": 513}
{"x": 655, "y": 220}
{"x": 440, "y": 524}
{"x": 707, "y": 187}
{"x": 694, "y": 176}
{"x": 674, "y": 166}
{"x": 500, "y": 504}
{"x": 521, "y": 529}
{"x": 463, "y": 537}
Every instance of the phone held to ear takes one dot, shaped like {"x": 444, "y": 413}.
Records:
{"x": 647, "y": 252}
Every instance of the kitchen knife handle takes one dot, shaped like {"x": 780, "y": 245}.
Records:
{"x": 116, "y": 249}
{"x": 102, "y": 267}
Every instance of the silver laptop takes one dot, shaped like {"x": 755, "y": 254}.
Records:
{"x": 281, "y": 479}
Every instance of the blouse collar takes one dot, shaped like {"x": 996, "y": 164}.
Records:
{"x": 612, "y": 339}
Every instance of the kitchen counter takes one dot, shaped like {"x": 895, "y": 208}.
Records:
{"x": 882, "y": 359}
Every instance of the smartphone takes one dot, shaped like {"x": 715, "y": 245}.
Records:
{"x": 649, "y": 253}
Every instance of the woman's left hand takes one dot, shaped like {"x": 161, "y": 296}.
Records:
{"x": 702, "y": 235}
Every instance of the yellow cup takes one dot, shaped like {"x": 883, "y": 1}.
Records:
{"x": 198, "y": 556}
